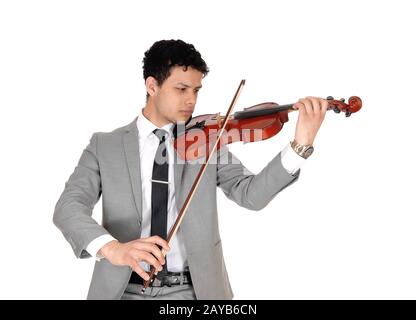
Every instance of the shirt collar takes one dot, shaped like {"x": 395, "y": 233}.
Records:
{"x": 146, "y": 127}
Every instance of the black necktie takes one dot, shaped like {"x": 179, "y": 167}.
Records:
{"x": 160, "y": 190}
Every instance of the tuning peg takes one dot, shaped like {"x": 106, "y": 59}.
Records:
{"x": 330, "y": 98}
{"x": 336, "y": 110}
{"x": 347, "y": 113}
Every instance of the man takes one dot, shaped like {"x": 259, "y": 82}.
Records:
{"x": 142, "y": 195}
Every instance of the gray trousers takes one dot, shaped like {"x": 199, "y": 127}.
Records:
{"x": 179, "y": 292}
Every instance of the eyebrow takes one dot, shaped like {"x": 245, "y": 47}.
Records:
{"x": 185, "y": 85}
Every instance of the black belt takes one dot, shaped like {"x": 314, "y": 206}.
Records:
{"x": 165, "y": 279}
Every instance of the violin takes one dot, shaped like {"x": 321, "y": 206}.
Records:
{"x": 201, "y": 136}
{"x": 256, "y": 123}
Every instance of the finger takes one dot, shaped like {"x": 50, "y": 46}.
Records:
{"x": 150, "y": 259}
{"x": 158, "y": 240}
{"x": 308, "y": 106}
{"x": 301, "y": 109}
{"x": 324, "y": 105}
{"x": 296, "y": 105}
{"x": 152, "y": 248}
{"x": 139, "y": 270}
{"x": 316, "y": 106}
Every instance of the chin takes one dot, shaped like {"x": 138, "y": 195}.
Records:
{"x": 183, "y": 118}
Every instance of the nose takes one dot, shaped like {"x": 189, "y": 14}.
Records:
{"x": 191, "y": 99}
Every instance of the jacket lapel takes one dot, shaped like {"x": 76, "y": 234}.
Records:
{"x": 131, "y": 148}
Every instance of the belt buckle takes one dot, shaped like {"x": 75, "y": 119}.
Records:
{"x": 170, "y": 280}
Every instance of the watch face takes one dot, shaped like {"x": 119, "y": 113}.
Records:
{"x": 308, "y": 152}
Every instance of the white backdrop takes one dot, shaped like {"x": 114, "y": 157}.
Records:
{"x": 345, "y": 230}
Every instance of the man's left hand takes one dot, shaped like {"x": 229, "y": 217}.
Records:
{"x": 312, "y": 112}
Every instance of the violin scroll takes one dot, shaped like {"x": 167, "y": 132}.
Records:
{"x": 354, "y": 104}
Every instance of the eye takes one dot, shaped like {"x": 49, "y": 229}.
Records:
{"x": 181, "y": 89}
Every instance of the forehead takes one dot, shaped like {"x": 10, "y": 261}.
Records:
{"x": 190, "y": 77}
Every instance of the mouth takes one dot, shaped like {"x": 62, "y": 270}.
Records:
{"x": 186, "y": 112}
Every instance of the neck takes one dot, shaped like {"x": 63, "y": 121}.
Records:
{"x": 153, "y": 116}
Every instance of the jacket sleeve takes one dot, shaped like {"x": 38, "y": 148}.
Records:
{"x": 73, "y": 211}
{"x": 252, "y": 191}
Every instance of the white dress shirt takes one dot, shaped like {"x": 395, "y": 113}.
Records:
{"x": 148, "y": 144}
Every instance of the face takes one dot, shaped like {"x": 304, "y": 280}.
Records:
{"x": 175, "y": 99}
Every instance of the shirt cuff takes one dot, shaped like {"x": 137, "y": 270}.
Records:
{"x": 291, "y": 161}
{"x": 96, "y": 244}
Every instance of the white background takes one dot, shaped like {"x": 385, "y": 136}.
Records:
{"x": 345, "y": 230}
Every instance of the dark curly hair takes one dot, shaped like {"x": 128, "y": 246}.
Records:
{"x": 165, "y": 54}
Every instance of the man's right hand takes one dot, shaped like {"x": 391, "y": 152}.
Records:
{"x": 133, "y": 252}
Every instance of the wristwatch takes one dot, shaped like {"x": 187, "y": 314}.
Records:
{"x": 303, "y": 150}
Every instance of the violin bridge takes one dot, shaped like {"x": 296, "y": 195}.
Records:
{"x": 219, "y": 119}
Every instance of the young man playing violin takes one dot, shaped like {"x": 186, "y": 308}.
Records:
{"x": 142, "y": 196}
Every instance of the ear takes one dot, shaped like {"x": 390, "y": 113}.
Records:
{"x": 151, "y": 86}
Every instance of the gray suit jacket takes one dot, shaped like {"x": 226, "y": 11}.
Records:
{"x": 109, "y": 166}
